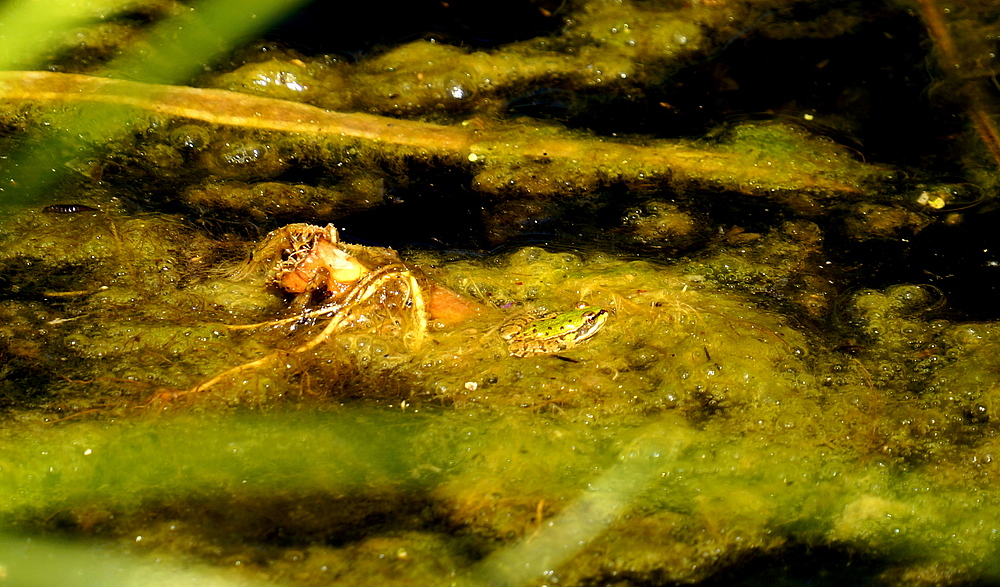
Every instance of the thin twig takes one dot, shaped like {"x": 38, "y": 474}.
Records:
{"x": 951, "y": 62}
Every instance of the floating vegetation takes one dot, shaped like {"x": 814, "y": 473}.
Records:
{"x": 695, "y": 320}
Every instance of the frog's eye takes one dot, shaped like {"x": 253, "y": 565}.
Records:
{"x": 593, "y": 316}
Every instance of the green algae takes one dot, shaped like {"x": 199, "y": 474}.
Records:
{"x": 115, "y": 463}
{"x": 271, "y": 199}
{"x": 708, "y": 424}
{"x": 702, "y": 499}
{"x": 257, "y": 138}
{"x": 606, "y": 45}
{"x": 29, "y": 561}
{"x": 664, "y": 224}
{"x": 731, "y": 458}
{"x": 717, "y": 430}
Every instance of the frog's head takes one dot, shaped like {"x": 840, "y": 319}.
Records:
{"x": 588, "y": 320}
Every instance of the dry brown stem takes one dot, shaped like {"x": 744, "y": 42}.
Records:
{"x": 951, "y": 61}
{"x": 370, "y": 286}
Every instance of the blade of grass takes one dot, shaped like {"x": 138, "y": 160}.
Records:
{"x": 183, "y": 45}
{"x": 29, "y": 29}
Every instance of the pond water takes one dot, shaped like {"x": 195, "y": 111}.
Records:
{"x": 593, "y": 292}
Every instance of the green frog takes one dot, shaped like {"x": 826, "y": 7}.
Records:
{"x": 550, "y": 333}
